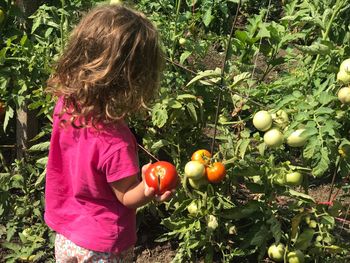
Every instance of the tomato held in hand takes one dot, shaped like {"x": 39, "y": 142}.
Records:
{"x": 162, "y": 176}
{"x": 202, "y": 156}
{"x": 216, "y": 172}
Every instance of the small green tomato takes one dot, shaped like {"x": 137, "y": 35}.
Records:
{"x": 297, "y": 138}
{"x": 343, "y": 77}
{"x": 276, "y": 252}
{"x": 262, "y": 120}
{"x": 273, "y": 138}
{"x": 296, "y": 257}
{"x": 344, "y": 95}
{"x": 212, "y": 223}
{"x": 345, "y": 66}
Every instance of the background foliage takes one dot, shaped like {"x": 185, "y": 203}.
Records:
{"x": 226, "y": 60}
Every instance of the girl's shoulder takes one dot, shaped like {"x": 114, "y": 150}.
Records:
{"x": 118, "y": 133}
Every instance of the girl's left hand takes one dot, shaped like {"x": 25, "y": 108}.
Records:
{"x": 149, "y": 191}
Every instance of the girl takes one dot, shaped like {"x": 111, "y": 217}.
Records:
{"x": 109, "y": 69}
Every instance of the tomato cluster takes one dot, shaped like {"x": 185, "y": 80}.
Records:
{"x": 343, "y": 77}
{"x": 202, "y": 169}
{"x": 276, "y": 253}
{"x": 273, "y": 124}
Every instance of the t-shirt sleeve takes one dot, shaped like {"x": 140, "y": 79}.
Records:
{"x": 122, "y": 163}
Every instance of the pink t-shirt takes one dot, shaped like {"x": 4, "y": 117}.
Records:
{"x": 80, "y": 204}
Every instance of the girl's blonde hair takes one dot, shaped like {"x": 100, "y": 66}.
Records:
{"x": 111, "y": 66}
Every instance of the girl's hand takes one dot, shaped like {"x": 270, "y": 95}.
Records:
{"x": 149, "y": 191}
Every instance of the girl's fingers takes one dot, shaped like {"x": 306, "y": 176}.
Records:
{"x": 164, "y": 197}
{"x": 149, "y": 191}
{"x": 144, "y": 168}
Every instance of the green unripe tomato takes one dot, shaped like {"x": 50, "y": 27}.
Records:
{"x": 115, "y": 2}
{"x": 297, "y": 138}
{"x": 296, "y": 257}
{"x": 273, "y": 138}
{"x": 344, "y": 95}
{"x": 262, "y": 120}
{"x": 294, "y": 178}
{"x": 182, "y": 41}
{"x": 212, "y": 223}
{"x": 222, "y": 119}
{"x": 2, "y": 16}
{"x": 280, "y": 118}
{"x": 345, "y": 66}
{"x": 194, "y": 170}
{"x": 312, "y": 224}
{"x": 192, "y": 208}
{"x": 198, "y": 184}
{"x": 276, "y": 252}
{"x": 343, "y": 77}
{"x": 279, "y": 179}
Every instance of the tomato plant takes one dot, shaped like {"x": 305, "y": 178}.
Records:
{"x": 162, "y": 176}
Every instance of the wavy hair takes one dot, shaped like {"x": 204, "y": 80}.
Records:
{"x": 110, "y": 67}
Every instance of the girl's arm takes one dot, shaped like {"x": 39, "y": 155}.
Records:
{"x": 133, "y": 194}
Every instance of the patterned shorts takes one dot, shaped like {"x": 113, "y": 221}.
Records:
{"x": 68, "y": 252}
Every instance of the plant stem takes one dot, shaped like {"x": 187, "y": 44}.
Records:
{"x": 178, "y": 5}
{"x": 339, "y": 4}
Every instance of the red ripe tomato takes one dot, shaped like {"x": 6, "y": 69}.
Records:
{"x": 162, "y": 176}
{"x": 2, "y": 110}
{"x": 202, "y": 156}
{"x": 216, "y": 172}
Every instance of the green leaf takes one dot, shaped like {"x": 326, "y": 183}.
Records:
{"x": 304, "y": 239}
{"x": 192, "y": 111}
{"x": 260, "y": 236}
{"x": 326, "y": 98}
{"x": 239, "y": 78}
{"x": 322, "y": 164}
{"x": 242, "y": 212}
{"x": 40, "y": 147}
{"x": 184, "y": 56}
{"x": 159, "y": 115}
{"x": 311, "y": 147}
{"x": 327, "y": 220}
{"x": 301, "y": 195}
{"x": 8, "y": 115}
{"x": 159, "y": 144}
{"x": 314, "y": 49}
{"x": 275, "y": 227}
{"x": 324, "y": 110}
{"x": 243, "y": 146}
{"x": 185, "y": 96}
{"x": 204, "y": 74}
{"x": 207, "y": 17}
{"x": 263, "y": 32}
